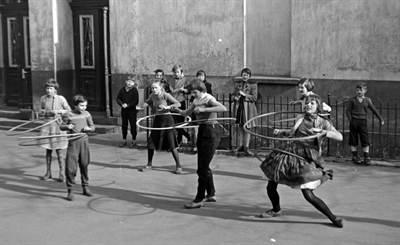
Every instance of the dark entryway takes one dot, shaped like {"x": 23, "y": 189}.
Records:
{"x": 90, "y": 20}
{"x": 16, "y": 48}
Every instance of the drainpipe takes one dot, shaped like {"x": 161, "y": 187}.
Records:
{"x": 55, "y": 36}
{"x": 244, "y": 34}
{"x": 106, "y": 72}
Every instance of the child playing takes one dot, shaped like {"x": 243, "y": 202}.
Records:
{"x": 305, "y": 168}
{"x": 128, "y": 98}
{"x": 77, "y": 121}
{"x": 161, "y": 139}
{"x": 245, "y": 94}
{"x": 206, "y": 107}
{"x": 201, "y": 75}
{"x": 51, "y": 107}
{"x": 357, "y": 114}
{"x": 178, "y": 87}
{"x": 305, "y": 87}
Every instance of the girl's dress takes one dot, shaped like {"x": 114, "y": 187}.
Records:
{"x": 60, "y": 105}
{"x": 307, "y": 172}
{"x": 246, "y": 105}
{"x": 162, "y": 139}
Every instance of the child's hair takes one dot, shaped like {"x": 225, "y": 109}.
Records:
{"x": 317, "y": 99}
{"x": 177, "y": 67}
{"x": 308, "y": 83}
{"x": 159, "y": 70}
{"x": 201, "y": 72}
{"x": 247, "y": 70}
{"x": 197, "y": 84}
{"x": 361, "y": 85}
{"x": 51, "y": 83}
{"x": 132, "y": 78}
{"x": 78, "y": 99}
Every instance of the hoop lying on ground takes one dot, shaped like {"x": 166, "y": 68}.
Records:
{"x": 31, "y": 142}
{"x": 31, "y": 129}
{"x": 165, "y": 128}
{"x": 245, "y": 126}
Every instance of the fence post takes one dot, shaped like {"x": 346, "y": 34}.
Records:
{"x": 230, "y": 115}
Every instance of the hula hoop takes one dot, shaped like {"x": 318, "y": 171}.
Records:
{"x": 165, "y": 128}
{"x": 276, "y": 149}
{"x": 50, "y": 136}
{"x": 245, "y": 126}
{"x": 29, "y": 130}
{"x": 292, "y": 119}
{"x": 231, "y": 119}
{"x": 28, "y": 143}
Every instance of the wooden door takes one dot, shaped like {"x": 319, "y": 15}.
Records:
{"x": 89, "y": 56}
{"x": 17, "y": 60}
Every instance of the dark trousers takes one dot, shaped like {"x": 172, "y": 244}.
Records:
{"x": 358, "y": 127}
{"x": 77, "y": 154}
{"x": 207, "y": 141}
{"x": 131, "y": 116}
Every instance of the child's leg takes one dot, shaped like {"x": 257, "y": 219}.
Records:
{"x": 240, "y": 137}
{"x": 61, "y": 162}
{"x": 132, "y": 122}
{"x": 320, "y": 205}
{"x": 150, "y": 154}
{"x": 84, "y": 161}
{"x": 175, "y": 154}
{"x": 273, "y": 195}
{"x": 48, "y": 165}
{"x": 124, "y": 127}
{"x": 71, "y": 165}
{"x": 206, "y": 149}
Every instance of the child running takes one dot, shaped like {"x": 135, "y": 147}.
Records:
{"x": 51, "y": 107}
{"x": 206, "y": 107}
{"x": 161, "y": 139}
{"x": 302, "y": 167}
{"x": 306, "y": 86}
{"x": 78, "y": 121}
{"x": 357, "y": 114}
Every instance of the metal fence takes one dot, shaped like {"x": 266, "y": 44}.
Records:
{"x": 385, "y": 140}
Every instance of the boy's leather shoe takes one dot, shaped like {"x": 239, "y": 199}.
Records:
{"x": 193, "y": 205}
{"x": 47, "y": 176}
{"x": 210, "y": 199}
{"x": 70, "y": 196}
{"x": 87, "y": 192}
{"x": 123, "y": 143}
{"x": 367, "y": 161}
{"x": 356, "y": 160}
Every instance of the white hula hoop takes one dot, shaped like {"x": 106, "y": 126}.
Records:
{"x": 165, "y": 128}
{"x": 246, "y": 124}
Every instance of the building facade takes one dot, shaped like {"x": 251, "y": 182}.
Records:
{"x": 91, "y": 46}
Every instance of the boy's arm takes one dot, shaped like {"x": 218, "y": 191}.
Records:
{"x": 135, "y": 101}
{"x": 90, "y": 125}
{"x": 215, "y": 106}
{"x": 65, "y": 122}
{"x": 119, "y": 101}
{"x": 186, "y": 112}
{"x": 375, "y": 111}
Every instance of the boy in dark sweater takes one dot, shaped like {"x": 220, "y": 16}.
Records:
{"x": 77, "y": 121}
{"x": 128, "y": 98}
{"x": 357, "y": 114}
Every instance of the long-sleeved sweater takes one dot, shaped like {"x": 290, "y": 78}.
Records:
{"x": 357, "y": 109}
{"x": 80, "y": 120}
{"x": 131, "y": 98}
